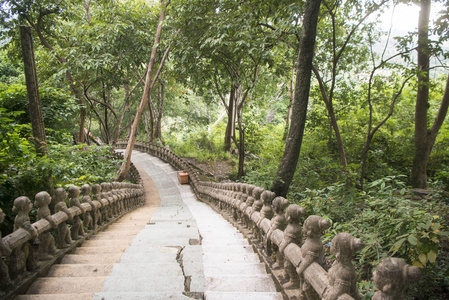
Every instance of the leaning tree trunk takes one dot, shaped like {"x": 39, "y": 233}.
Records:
{"x": 287, "y": 167}
{"x": 37, "y": 120}
{"x": 124, "y": 169}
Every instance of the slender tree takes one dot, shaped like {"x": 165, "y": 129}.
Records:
{"x": 149, "y": 84}
{"x": 292, "y": 150}
{"x": 425, "y": 137}
{"x": 37, "y": 120}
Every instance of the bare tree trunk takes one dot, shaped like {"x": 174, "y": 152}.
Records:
{"x": 69, "y": 76}
{"x": 330, "y": 109}
{"x": 292, "y": 150}
{"x": 124, "y": 169}
{"x": 241, "y": 147}
{"x": 158, "y": 131}
{"x": 122, "y": 115}
{"x": 231, "y": 120}
{"x": 290, "y": 102}
{"x": 419, "y": 168}
{"x": 37, "y": 120}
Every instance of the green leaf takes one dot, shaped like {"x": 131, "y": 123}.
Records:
{"x": 412, "y": 240}
{"x": 443, "y": 233}
{"x": 431, "y": 256}
{"x": 422, "y": 258}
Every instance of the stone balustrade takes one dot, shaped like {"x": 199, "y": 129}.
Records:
{"x": 292, "y": 249}
{"x": 32, "y": 248}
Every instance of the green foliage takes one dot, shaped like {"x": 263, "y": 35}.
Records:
{"x": 58, "y": 109}
{"x": 9, "y": 72}
{"x": 25, "y": 174}
{"x": 388, "y": 221}
{"x": 199, "y": 144}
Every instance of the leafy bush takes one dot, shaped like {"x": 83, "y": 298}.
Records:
{"x": 58, "y": 109}
{"x": 391, "y": 223}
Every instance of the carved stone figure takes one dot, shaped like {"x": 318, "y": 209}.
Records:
{"x": 47, "y": 246}
{"x": 392, "y": 277}
{"x": 342, "y": 275}
{"x": 256, "y": 207}
{"x": 5, "y": 281}
{"x": 22, "y": 257}
{"x": 267, "y": 209}
{"x": 292, "y": 234}
{"x": 89, "y": 217}
{"x": 77, "y": 223}
{"x": 312, "y": 251}
{"x": 64, "y": 239}
{"x": 96, "y": 191}
{"x": 105, "y": 196}
{"x": 278, "y": 222}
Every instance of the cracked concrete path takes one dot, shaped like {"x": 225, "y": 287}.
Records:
{"x": 182, "y": 250}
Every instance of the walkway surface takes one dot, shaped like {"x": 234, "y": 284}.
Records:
{"x": 174, "y": 247}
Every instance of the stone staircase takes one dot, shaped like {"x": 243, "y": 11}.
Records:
{"x": 177, "y": 248}
{"x": 82, "y": 273}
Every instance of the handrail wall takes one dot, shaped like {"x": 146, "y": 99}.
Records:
{"x": 31, "y": 249}
{"x": 273, "y": 226}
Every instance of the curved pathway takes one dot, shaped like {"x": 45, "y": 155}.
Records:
{"x": 185, "y": 250}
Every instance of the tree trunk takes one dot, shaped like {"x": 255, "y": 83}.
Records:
{"x": 330, "y": 110}
{"x": 124, "y": 169}
{"x": 290, "y": 101}
{"x": 231, "y": 120}
{"x": 37, "y": 120}
{"x": 158, "y": 131}
{"x": 287, "y": 167}
{"x": 122, "y": 115}
{"x": 241, "y": 147}
{"x": 419, "y": 168}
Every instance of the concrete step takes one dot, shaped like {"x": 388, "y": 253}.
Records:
{"x": 114, "y": 235}
{"x": 99, "y": 250}
{"x": 222, "y": 258}
{"x": 248, "y": 284}
{"x": 93, "y": 270}
{"x": 111, "y": 258}
{"x": 78, "y": 296}
{"x": 66, "y": 285}
{"x": 228, "y": 248}
{"x": 144, "y": 258}
{"x": 212, "y": 295}
{"x": 140, "y": 296}
{"x": 107, "y": 243}
{"x": 140, "y": 284}
{"x": 208, "y": 241}
{"x": 234, "y": 269}
{"x": 147, "y": 270}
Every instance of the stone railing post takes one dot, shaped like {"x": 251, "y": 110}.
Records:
{"x": 47, "y": 246}
{"x": 77, "y": 223}
{"x": 342, "y": 276}
{"x": 392, "y": 277}
{"x": 278, "y": 222}
{"x": 63, "y": 233}
{"x": 292, "y": 235}
{"x": 22, "y": 258}
{"x": 5, "y": 280}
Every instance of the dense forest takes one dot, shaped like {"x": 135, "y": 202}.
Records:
{"x": 324, "y": 102}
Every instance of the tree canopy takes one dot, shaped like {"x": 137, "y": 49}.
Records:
{"x": 223, "y": 82}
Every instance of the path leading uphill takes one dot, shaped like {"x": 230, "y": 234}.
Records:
{"x": 173, "y": 248}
